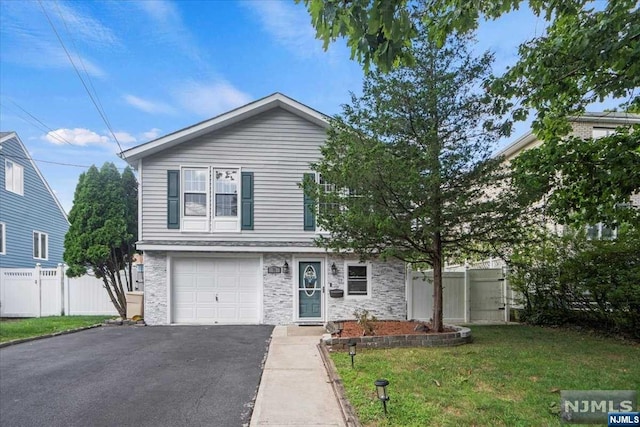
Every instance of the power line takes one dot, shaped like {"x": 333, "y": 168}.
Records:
{"x": 43, "y": 125}
{"x": 13, "y": 156}
{"x": 75, "y": 46}
{"x": 84, "y": 84}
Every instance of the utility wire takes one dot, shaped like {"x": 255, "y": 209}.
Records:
{"x": 13, "y": 156}
{"x": 42, "y": 126}
{"x": 75, "y": 46}
{"x": 84, "y": 84}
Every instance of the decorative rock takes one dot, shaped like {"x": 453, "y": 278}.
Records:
{"x": 421, "y": 328}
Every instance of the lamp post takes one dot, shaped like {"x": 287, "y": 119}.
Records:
{"x": 381, "y": 389}
{"x": 352, "y": 350}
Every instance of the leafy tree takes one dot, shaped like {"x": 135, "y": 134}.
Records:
{"x": 409, "y": 168}
{"x": 584, "y": 181}
{"x": 103, "y": 230}
{"x": 587, "y": 53}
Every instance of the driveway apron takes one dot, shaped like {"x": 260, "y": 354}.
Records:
{"x": 134, "y": 376}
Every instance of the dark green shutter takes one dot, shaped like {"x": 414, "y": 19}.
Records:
{"x": 246, "y": 208}
{"x": 309, "y": 206}
{"x": 173, "y": 199}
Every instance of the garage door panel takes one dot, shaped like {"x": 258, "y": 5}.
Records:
{"x": 197, "y": 281}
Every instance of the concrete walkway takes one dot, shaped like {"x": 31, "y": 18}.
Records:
{"x": 295, "y": 389}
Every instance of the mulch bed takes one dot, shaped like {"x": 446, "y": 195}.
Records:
{"x": 388, "y": 327}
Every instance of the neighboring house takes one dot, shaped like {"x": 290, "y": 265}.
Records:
{"x": 589, "y": 125}
{"x": 32, "y": 221}
{"x": 228, "y": 236}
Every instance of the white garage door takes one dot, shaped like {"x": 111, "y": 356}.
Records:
{"x": 216, "y": 290}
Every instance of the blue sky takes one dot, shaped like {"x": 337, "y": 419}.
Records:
{"x": 159, "y": 66}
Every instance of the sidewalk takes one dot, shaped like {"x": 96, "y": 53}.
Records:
{"x": 295, "y": 389}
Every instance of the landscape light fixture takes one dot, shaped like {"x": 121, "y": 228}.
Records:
{"x": 285, "y": 268}
{"x": 381, "y": 389}
{"x": 334, "y": 269}
{"x": 352, "y": 350}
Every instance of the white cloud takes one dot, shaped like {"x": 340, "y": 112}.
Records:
{"x": 289, "y": 24}
{"x": 148, "y": 106}
{"x": 151, "y": 134}
{"x": 32, "y": 43}
{"x": 210, "y": 98}
{"x": 85, "y": 28}
{"x": 77, "y": 136}
{"x": 169, "y": 29}
{"x": 125, "y": 138}
{"x": 159, "y": 10}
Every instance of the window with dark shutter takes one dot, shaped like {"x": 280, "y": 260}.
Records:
{"x": 247, "y": 201}
{"x": 173, "y": 199}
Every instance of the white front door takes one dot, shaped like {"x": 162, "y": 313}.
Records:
{"x": 215, "y": 290}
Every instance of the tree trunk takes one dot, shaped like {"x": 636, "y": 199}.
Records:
{"x": 122, "y": 309}
{"x": 437, "y": 283}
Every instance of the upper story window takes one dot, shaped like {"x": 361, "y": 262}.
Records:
{"x": 3, "y": 239}
{"x": 226, "y": 192}
{"x": 358, "y": 279}
{"x": 602, "y": 132}
{"x": 40, "y": 245}
{"x": 14, "y": 177}
{"x": 601, "y": 231}
{"x": 195, "y": 192}
{"x": 210, "y": 199}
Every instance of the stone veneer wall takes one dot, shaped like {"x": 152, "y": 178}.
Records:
{"x": 155, "y": 288}
{"x": 277, "y": 300}
{"x": 387, "y": 298}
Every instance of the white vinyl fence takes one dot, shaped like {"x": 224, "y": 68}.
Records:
{"x": 37, "y": 292}
{"x": 469, "y": 296}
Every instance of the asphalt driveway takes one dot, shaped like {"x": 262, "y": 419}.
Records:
{"x": 134, "y": 376}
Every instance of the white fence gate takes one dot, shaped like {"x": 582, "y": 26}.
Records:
{"x": 469, "y": 296}
{"x": 37, "y": 292}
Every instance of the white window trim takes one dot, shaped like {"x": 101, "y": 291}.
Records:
{"x": 3, "y": 236}
{"x": 15, "y": 166}
{"x": 218, "y": 221}
{"x": 600, "y": 226}
{"x": 346, "y": 279}
{"x": 605, "y": 131}
{"x": 195, "y": 224}
{"x": 319, "y": 229}
{"x": 46, "y": 239}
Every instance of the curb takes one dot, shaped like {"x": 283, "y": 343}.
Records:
{"x": 348, "y": 412}
{"x": 55, "y": 334}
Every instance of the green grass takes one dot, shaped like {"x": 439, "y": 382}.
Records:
{"x": 509, "y": 376}
{"x": 13, "y": 329}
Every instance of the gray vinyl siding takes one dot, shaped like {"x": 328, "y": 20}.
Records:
{"x": 36, "y": 210}
{"x": 277, "y": 146}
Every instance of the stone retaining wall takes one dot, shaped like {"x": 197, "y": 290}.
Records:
{"x": 461, "y": 336}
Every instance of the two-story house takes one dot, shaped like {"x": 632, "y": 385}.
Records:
{"x": 228, "y": 235}
{"x": 588, "y": 125}
{"x": 32, "y": 221}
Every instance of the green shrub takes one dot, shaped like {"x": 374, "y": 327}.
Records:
{"x": 572, "y": 280}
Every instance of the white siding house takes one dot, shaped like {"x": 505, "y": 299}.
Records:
{"x": 225, "y": 232}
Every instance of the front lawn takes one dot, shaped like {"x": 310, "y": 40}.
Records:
{"x": 509, "y": 376}
{"x": 13, "y": 329}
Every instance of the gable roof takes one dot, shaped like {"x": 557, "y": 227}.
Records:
{"x": 604, "y": 118}
{"x": 276, "y": 100}
{"x": 7, "y": 136}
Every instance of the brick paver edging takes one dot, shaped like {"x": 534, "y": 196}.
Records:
{"x": 461, "y": 336}
{"x": 348, "y": 411}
